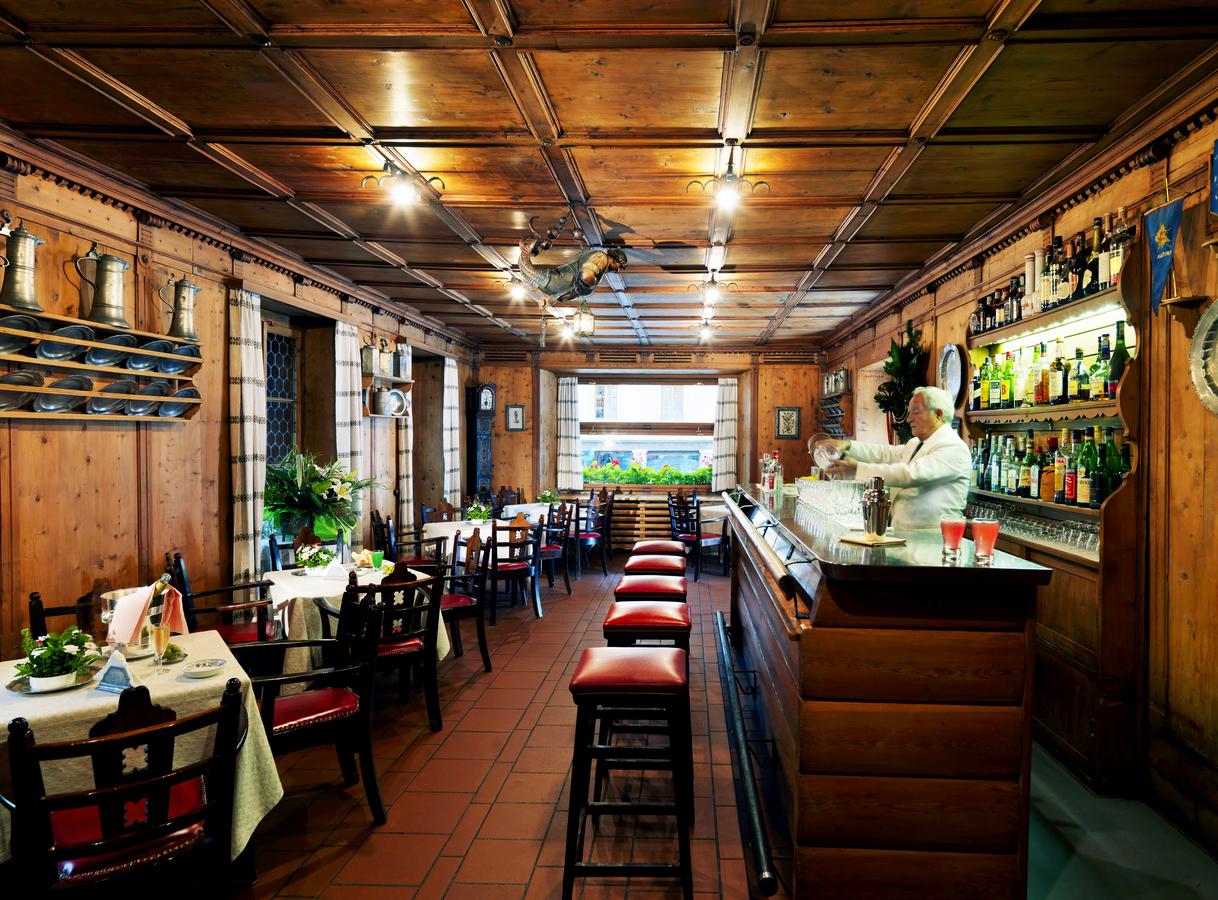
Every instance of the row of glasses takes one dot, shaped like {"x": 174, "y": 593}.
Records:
{"x": 1078, "y": 535}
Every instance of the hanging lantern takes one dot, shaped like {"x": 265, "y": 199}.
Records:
{"x": 583, "y": 322}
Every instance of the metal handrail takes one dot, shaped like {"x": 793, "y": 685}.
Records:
{"x": 763, "y": 864}
{"x": 773, "y": 564}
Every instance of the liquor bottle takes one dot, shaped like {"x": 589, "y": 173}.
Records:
{"x": 1035, "y": 472}
{"x": 1024, "y": 287}
{"x": 984, "y": 376}
{"x": 1059, "y": 469}
{"x": 1112, "y": 461}
{"x": 1074, "y": 272}
{"x": 1121, "y": 236}
{"x": 1012, "y": 467}
{"x": 996, "y": 467}
{"x": 1000, "y": 309}
{"x": 1104, "y": 269}
{"x": 1071, "y": 477}
{"x": 1046, "y": 280}
{"x": 1061, "y": 278}
{"x": 1100, "y": 370}
{"x": 1085, "y": 465}
{"x": 1080, "y": 379}
{"x": 974, "y": 393}
{"x": 1020, "y": 380}
{"x": 1101, "y": 487}
{"x": 1058, "y": 392}
{"x": 1032, "y": 378}
{"x": 1117, "y": 361}
{"x": 1024, "y": 489}
{"x": 1091, "y": 278}
{"x": 777, "y": 474}
{"x": 1008, "y": 384}
{"x": 1047, "y": 469}
{"x": 1042, "y": 388}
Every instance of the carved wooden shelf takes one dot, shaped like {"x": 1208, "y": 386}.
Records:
{"x": 1065, "y": 412}
{"x": 97, "y": 326}
{"x": 91, "y": 417}
{"x": 85, "y": 367}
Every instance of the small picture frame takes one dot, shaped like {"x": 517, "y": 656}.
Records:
{"x": 786, "y": 423}
{"x": 513, "y": 417}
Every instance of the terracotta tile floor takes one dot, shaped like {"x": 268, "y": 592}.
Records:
{"x": 479, "y": 809}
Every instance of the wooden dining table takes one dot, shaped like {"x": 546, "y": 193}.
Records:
{"x": 68, "y": 715}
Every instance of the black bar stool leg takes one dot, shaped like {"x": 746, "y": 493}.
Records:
{"x": 580, "y": 773}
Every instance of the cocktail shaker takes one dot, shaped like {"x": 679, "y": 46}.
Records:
{"x": 876, "y": 507}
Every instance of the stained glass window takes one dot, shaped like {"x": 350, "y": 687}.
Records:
{"x": 282, "y": 393}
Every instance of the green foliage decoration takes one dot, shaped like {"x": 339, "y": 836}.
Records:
{"x": 904, "y": 367}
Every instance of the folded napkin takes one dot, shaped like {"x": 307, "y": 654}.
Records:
{"x": 131, "y": 610}
{"x": 332, "y": 569}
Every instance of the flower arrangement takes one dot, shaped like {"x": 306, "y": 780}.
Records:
{"x": 547, "y": 496}
{"x": 314, "y": 556}
{"x": 71, "y": 652}
{"x": 477, "y": 511}
{"x": 299, "y": 491}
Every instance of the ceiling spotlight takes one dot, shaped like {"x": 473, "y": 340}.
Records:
{"x": 517, "y": 291}
{"x": 568, "y": 332}
{"x": 728, "y": 188}
{"x": 713, "y": 292}
{"x": 705, "y": 333}
{"x": 712, "y": 289}
{"x": 402, "y": 187}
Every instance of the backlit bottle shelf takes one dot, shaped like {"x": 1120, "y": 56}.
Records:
{"x": 1064, "y": 412}
{"x": 1106, "y": 303}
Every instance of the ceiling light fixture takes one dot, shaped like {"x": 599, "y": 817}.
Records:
{"x": 403, "y": 188}
{"x": 729, "y": 188}
{"x": 517, "y": 291}
{"x": 712, "y": 289}
{"x": 583, "y": 323}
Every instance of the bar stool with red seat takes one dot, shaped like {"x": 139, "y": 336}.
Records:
{"x": 650, "y": 587}
{"x": 653, "y": 564}
{"x": 659, "y": 548}
{"x": 647, "y": 620}
{"x": 651, "y": 682}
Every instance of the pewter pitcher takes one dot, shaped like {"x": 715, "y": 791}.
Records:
{"x": 18, "y": 287}
{"x": 183, "y": 324}
{"x": 107, "y": 306}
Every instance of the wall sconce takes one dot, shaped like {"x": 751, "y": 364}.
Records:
{"x": 404, "y": 189}
{"x": 728, "y": 188}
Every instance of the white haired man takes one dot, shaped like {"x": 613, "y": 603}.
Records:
{"x": 929, "y": 475}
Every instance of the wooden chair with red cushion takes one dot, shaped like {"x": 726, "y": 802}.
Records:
{"x": 409, "y": 631}
{"x": 685, "y": 520}
{"x": 263, "y": 628}
{"x": 80, "y": 611}
{"x": 591, "y": 532}
{"x": 514, "y": 558}
{"x": 147, "y": 820}
{"x": 414, "y": 551}
{"x": 556, "y": 532}
{"x": 465, "y": 592}
{"x": 337, "y": 705}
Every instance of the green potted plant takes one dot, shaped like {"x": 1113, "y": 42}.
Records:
{"x": 312, "y": 499}
{"x": 904, "y": 367}
{"x": 548, "y": 496}
{"x": 477, "y": 511}
{"x": 314, "y": 558}
{"x": 55, "y": 661}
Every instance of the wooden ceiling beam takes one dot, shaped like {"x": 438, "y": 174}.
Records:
{"x": 971, "y": 63}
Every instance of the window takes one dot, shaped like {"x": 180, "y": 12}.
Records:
{"x": 282, "y": 345}
{"x": 648, "y": 425}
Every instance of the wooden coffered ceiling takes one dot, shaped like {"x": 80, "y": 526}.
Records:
{"x": 889, "y": 131}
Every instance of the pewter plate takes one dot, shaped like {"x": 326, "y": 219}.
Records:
{"x": 1203, "y": 359}
{"x": 54, "y": 403}
{"x": 112, "y": 405}
{"x": 22, "y": 685}
{"x": 11, "y": 343}
{"x": 397, "y": 401}
{"x": 190, "y": 357}
{"x": 18, "y": 399}
{"x": 54, "y": 350}
{"x": 145, "y": 407}
{"x": 98, "y": 356}
{"x": 951, "y": 371}
{"x": 142, "y": 363}
{"x": 172, "y": 410}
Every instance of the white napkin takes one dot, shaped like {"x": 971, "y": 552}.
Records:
{"x": 333, "y": 569}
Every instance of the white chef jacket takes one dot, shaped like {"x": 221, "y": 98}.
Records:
{"x": 925, "y": 485}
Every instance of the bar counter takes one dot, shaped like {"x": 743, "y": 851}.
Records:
{"x": 897, "y": 692}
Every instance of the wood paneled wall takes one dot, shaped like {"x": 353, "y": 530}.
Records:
{"x": 787, "y": 386}
{"x": 1177, "y": 523}
{"x": 89, "y": 506}
{"x": 515, "y": 452}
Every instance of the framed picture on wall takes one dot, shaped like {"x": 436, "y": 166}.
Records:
{"x": 786, "y": 423}
{"x": 514, "y": 413}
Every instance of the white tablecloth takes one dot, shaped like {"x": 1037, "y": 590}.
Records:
{"x": 68, "y": 715}
{"x": 449, "y": 531}
{"x": 532, "y": 511}
{"x": 293, "y": 599}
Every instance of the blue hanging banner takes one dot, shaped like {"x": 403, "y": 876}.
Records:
{"x": 1214, "y": 180}
{"x": 1162, "y": 228}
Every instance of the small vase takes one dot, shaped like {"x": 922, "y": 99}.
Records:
{"x": 51, "y": 682}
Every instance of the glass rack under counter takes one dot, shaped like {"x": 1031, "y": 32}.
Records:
{"x": 1071, "y": 533}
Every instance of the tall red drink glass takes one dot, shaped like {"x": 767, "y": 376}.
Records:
{"x": 953, "y": 533}
{"x": 985, "y": 536}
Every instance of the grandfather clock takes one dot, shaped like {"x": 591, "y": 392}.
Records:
{"x": 481, "y": 407}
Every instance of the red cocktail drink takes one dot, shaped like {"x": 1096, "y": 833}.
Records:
{"x": 953, "y": 534}
{"x": 985, "y": 536}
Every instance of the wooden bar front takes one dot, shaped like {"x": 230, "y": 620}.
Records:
{"x": 899, "y": 702}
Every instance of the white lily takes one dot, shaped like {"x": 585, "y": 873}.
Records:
{"x": 37, "y": 651}
{"x": 71, "y": 649}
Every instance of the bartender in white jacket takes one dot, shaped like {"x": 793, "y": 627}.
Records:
{"x": 928, "y": 475}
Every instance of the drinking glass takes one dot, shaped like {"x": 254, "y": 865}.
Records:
{"x": 378, "y": 557}
{"x": 953, "y": 533}
{"x": 160, "y": 643}
{"x": 985, "y": 536}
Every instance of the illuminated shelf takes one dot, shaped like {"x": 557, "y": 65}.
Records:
{"x": 1028, "y": 503}
{"x": 1105, "y": 301}
{"x": 1065, "y": 412}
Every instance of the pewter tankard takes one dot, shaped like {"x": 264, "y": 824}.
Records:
{"x": 183, "y": 324}
{"x": 107, "y": 306}
{"x": 18, "y": 287}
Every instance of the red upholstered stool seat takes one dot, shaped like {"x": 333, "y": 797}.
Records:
{"x": 663, "y": 548}
{"x": 650, "y": 587}
{"x": 244, "y": 632}
{"x": 707, "y": 537}
{"x": 659, "y": 617}
{"x": 652, "y": 564}
{"x": 630, "y": 670}
{"x": 512, "y": 566}
{"x": 457, "y": 601}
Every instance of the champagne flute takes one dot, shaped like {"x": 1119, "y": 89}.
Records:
{"x": 160, "y": 643}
